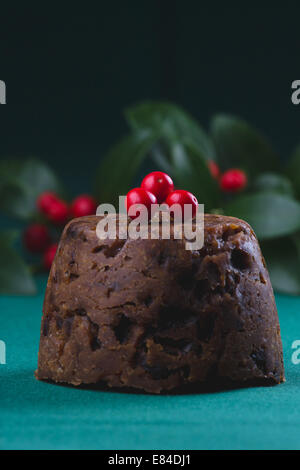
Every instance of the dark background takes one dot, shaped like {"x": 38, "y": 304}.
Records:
{"x": 70, "y": 70}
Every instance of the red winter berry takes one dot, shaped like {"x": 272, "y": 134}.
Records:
{"x": 214, "y": 169}
{"x": 139, "y": 196}
{"x": 233, "y": 180}
{"x": 49, "y": 255}
{"x": 83, "y": 205}
{"x": 58, "y": 212}
{"x": 158, "y": 183}
{"x": 182, "y": 197}
{"x": 45, "y": 201}
{"x": 36, "y": 238}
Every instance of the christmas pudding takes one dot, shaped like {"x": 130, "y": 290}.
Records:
{"x": 152, "y": 315}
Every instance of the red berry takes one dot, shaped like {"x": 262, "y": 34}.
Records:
{"x": 158, "y": 183}
{"x": 58, "y": 212}
{"x": 139, "y": 196}
{"x": 182, "y": 197}
{"x": 49, "y": 255}
{"x": 36, "y": 238}
{"x": 214, "y": 169}
{"x": 233, "y": 180}
{"x": 83, "y": 205}
{"x": 45, "y": 201}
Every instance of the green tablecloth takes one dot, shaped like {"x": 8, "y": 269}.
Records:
{"x": 36, "y": 415}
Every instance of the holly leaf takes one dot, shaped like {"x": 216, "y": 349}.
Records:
{"x": 271, "y": 215}
{"x": 15, "y": 277}
{"x": 239, "y": 145}
{"x": 283, "y": 261}
{"x": 190, "y": 172}
{"x": 293, "y": 170}
{"x": 273, "y": 182}
{"x": 120, "y": 164}
{"x": 170, "y": 122}
{"x": 21, "y": 182}
{"x": 160, "y": 155}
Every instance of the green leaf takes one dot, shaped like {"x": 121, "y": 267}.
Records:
{"x": 15, "y": 277}
{"x": 160, "y": 156}
{"x": 283, "y": 261}
{"x": 170, "y": 122}
{"x": 271, "y": 215}
{"x": 191, "y": 172}
{"x": 239, "y": 145}
{"x": 21, "y": 182}
{"x": 273, "y": 182}
{"x": 293, "y": 170}
{"x": 120, "y": 164}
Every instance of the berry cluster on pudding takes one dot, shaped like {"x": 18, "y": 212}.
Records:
{"x": 158, "y": 188}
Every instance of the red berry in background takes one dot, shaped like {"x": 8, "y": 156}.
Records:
{"x": 49, "y": 255}
{"x": 58, "y": 212}
{"x": 233, "y": 180}
{"x": 158, "y": 183}
{"x": 214, "y": 169}
{"x": 140, "y": 196}
{"x": 182, "y": 197}
{"x": 45, "y": 200}
{"x": 83, "y": 205}
{"x": 36, "y": 238}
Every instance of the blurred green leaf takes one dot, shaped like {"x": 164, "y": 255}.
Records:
{"x": 119, "y": 166}
{"x": 239, "y": 145}
{"x": 271, "y": 215}
{"x": 283, "y": 262}
{"x": 190, "y": 172}
{"x": 170, "y": 122}
{"x": 182, "y": 149}
{"x": 15, "y": 277}
{"x": 293, "y": 170}
{"x": 273, "y": 182}
{"x": 21, "y": 182}
{"x": 160, "y": 155}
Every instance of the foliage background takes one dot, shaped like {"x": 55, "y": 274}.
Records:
{"x": 71, "y": 71}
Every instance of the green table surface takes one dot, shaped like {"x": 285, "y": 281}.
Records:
{"x": 37, "y": 415}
